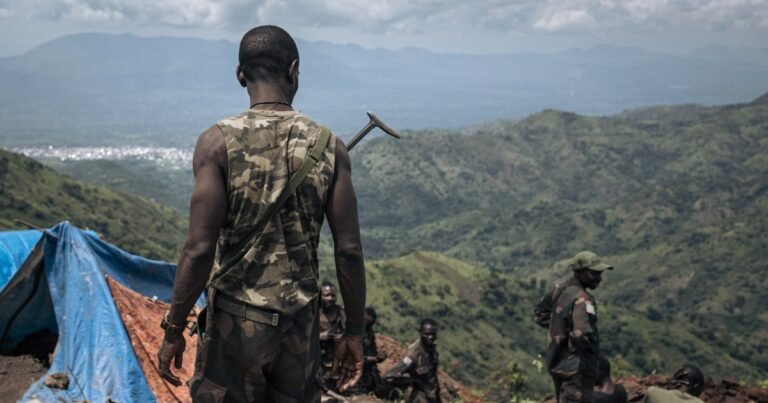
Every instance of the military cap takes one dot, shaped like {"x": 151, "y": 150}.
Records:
{"x": 589, "y": 260}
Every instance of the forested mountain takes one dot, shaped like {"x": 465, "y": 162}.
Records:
{"x": 515, "y": 194}
{"x": 37, "y": 194}
{"x": 676, "y": 197}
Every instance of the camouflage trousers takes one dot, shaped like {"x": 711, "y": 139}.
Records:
{"x": 574, "y": 389}
{"x": 241, "y": 360}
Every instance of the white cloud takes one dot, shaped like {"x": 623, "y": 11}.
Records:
{"x": 641, "y": 10}
{"x": 724, "y": 14}
{"x": 558, "y": 21}
{"x": 168, "y": 12}
{"x": 410, "y": 16}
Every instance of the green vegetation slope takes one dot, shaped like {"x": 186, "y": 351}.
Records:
{"x": 676, "y": 197}
{"x": 37, "y": 194}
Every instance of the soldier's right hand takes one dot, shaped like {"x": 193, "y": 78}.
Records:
{"x": 172, "y": 349}
{"x": 348, "y": 362}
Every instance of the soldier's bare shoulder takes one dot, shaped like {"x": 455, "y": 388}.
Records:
{"x": 211, "y": 146}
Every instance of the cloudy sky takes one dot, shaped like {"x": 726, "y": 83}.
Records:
{"x": 475, "y": 26}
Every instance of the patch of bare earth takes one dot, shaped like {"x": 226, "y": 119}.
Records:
{"x": 25, "y": 365}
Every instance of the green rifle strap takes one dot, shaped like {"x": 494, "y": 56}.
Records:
{"x": 313, "y": 157}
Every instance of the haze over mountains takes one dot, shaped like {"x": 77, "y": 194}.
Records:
{"x": 101, "y": 89}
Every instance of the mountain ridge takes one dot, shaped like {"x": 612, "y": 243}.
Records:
{"x": 91, "y": 85}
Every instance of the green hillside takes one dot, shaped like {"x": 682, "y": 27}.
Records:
{"x": 516, "y": 194}
{"x": 37, "y": 194}
{"x": 676, "y": 197}
{"x": 164, "y": 183}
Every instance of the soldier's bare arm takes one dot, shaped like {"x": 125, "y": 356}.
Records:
{"x": 341, "y": 210}
{"x": 208, "y": 210}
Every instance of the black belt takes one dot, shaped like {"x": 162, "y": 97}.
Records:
{"x": 249, "y": 312}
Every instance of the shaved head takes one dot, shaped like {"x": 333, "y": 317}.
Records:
{"x": 266, "y": 52}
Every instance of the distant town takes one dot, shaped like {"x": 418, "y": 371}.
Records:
{"x": 107, "y": 153}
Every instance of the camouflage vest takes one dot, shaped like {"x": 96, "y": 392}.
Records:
{"x": 264, "y": 148}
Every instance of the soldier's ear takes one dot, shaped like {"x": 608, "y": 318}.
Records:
{"x": 293, "y": 72}
{"x": 240, "y": 76}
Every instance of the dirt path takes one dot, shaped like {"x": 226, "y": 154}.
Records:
{"x": 16, "y": 374}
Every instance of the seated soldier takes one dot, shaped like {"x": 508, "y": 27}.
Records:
{"x": 687, "y": 383}
{"x": 605, "y": 390}
{"x": 419, "y": 367}
{"x": 332, "y": 320}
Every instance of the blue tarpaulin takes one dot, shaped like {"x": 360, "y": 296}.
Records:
{"x": 93, "y": 347}
{"x": 15, "y": 247}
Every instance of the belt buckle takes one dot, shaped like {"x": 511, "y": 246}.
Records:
{"x": 275, "y": 319}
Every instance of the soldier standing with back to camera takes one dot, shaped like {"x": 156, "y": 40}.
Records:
{"x": 260, "y": 341}
{"x": 573, "y": 344}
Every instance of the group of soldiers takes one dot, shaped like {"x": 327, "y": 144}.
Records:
{"x": 417, "y": 370}
{"x": 579, "y": 372}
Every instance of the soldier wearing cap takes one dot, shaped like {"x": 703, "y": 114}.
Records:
{"x": 569, "y": 313}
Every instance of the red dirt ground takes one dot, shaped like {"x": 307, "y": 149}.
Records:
{"x": 141, "y": 316}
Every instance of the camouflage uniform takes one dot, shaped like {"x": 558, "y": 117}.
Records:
{"x": 274, "y": 359}
{"x": 420, "y": 366}
{"x": 573, "y": 345}
{"x": 328, "y": 347}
